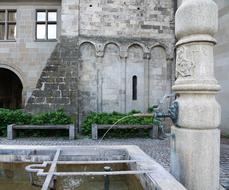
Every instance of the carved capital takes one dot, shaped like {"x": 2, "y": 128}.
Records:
{"x": 99, "y": 53}
{"x": 123, "y": 54}
{"x": 146, "y": 56}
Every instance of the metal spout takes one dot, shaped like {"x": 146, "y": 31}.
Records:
{"x": 172, "y": 113}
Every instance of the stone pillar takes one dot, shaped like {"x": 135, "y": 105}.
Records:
{"x": 123, "y": 57}
{"x": 196, "y": 142}
{"x": 146, "y": 58}
{"x": 99, "y": 63}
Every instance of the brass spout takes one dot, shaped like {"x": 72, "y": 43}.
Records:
{"x": 143, "y": 115}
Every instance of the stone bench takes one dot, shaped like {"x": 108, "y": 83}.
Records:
{"x": 12, "y": 129}
{"x": 153, "y": 130}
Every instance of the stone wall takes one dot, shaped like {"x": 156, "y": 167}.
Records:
{"x": 57, "y": 85}
{"x": 101, "y": 45}
{"x": 26, "y": 57}
{"x": 132, "y": 18}
{"x": 221, "y": 62}
{"x": 107, "y": 67}
{"x": 70, "y": 18}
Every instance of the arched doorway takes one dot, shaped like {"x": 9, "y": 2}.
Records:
{"x": 10, "y": 90}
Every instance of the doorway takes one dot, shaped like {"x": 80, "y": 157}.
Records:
{"x": 10, "y": 90}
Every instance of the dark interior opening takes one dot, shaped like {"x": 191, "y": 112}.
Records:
{"x": 10, "y": 90}
{"x": 134, "y": 83}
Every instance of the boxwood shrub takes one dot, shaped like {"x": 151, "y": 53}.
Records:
{"x": 21, "y": 117}
{"x": 111, "y": 118}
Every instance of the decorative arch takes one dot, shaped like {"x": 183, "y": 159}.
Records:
{"x": 135, "y": 50}
{"x": 110, "y": 78}
{"x": 161, "y": 51}
{"x": 159, "y": 82}
{"x": 142, "y": 46}
{"x": 85, "y": 45}
{"x": 135, "y": 74}
{"x": 87, "y": 42}
{"x": 166, "y": 49}
{"x": 112, "y": 47}
{"x": 87, "y": 76}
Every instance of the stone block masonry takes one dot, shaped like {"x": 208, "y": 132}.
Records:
{"x": 85, "y": 74}
{"x": 25, "y": 56}
{"x": 115, "y": 41}
{"x": 57, "y": 85}
{"x": 132, "y": 18}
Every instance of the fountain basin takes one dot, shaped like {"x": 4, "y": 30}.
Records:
{"x": 58, "y": 165}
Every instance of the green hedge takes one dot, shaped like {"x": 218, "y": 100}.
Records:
{"x": 20, "y": 117}
{"x": 111, "y": 118}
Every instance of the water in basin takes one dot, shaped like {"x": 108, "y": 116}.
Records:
{"x": 14, "y": 177}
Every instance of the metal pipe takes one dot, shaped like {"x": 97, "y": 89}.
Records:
{"x": 106, "y": 178}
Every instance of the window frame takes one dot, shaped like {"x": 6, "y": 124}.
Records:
{"x": 6, "y": 23}
{"x": 46, "y": 23}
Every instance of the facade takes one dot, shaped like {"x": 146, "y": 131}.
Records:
{"x": 94, "y": 55}
{"x": 91, "y": 55}
{"x": 222, "y": 62}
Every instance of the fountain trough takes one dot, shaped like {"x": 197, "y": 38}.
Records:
{"x": 49, "y": 167}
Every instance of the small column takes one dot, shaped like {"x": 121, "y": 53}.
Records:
{"x": 146, "y": 58}
{"x": 196, "y": 142}
{"x": 122, "y": 102}
{"x": 99, "y": 63}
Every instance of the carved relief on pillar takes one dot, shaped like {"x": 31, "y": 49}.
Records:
{"x": 185, "y": 66}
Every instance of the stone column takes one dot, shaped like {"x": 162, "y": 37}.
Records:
{"x": 196, "y": 142}
{"x": 123, "y": 57}
{"x": 99, "y": 63}
{"x": 146, "y": 58}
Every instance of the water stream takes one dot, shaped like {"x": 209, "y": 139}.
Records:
{"x": 113, "y": 126}
{"x": 161, "y": 102}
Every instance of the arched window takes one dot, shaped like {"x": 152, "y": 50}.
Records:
{"x": 134, "y": 87}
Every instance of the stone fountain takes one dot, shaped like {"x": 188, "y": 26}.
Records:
{"x": 196, "y": 142}
{"x": 195, "y": 136}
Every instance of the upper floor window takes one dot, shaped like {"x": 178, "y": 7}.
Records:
{"x": 8, "y": 24}
{"x": 46, "y": 24}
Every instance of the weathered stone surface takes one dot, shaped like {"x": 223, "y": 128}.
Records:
{"x": 100, "y": 46}
{"x": 79, "y": 80}
{"x": 53, "y": 86}
{"x": 196, "y": 18}
{"x": 126, "y": 18}
{"x": 25, "y": 56}
{"x": 195, "y": 158}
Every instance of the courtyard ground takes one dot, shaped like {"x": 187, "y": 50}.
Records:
{"x": 157, "y": 149}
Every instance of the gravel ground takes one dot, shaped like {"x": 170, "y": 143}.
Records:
{"x": 157, "y": 149}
